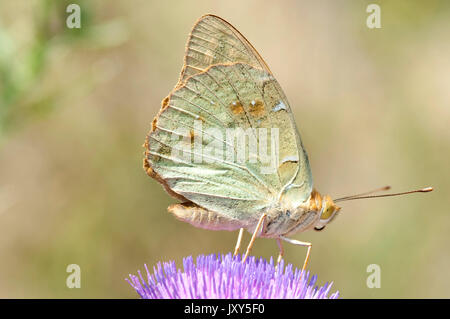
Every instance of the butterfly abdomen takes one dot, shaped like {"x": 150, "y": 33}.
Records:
{"x": 203, "y": 218}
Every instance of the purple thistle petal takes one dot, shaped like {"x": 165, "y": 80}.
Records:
{"x": 225, "y": 276}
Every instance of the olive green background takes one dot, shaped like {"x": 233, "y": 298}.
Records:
{"x": 372, "y": 106}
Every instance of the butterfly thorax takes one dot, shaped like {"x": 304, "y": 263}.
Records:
{"x": 315, "y": 212}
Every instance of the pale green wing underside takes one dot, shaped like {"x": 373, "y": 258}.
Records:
{"x": 216, "y": 94}
{"x": 206, "y": 107}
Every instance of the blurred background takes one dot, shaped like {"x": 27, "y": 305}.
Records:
{"x": 372, "y": 106}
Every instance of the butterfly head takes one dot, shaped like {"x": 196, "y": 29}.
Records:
{"x": 327, "y": 209}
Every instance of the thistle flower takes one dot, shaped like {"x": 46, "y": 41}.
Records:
{"x": 224, "y": 276}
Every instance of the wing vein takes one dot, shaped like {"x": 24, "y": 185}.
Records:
{"x": 214, "y": 158}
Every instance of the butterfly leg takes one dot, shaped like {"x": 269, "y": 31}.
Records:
{"x": 300, "y": 243}
{"x": 239, "y": 241}
{"x": 280, "y": 247}
{"x": 255, "y": 233}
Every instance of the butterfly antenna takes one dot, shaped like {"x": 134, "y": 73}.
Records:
{"x": 363, "y": 196}
{"x": 385, "y": 188}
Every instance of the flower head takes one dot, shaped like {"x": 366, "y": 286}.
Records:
{"x": 224, "y": 276}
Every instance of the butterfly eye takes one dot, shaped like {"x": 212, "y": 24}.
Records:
{"x": 319, "y": 229}
{"x": 327, "y": 213}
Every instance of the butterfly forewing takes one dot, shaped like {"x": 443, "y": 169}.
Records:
{"x": 225, "y": 87}
{"x": 215, "y": 41}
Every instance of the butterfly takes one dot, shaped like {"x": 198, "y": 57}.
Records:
{"x": 262, "y": 184}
